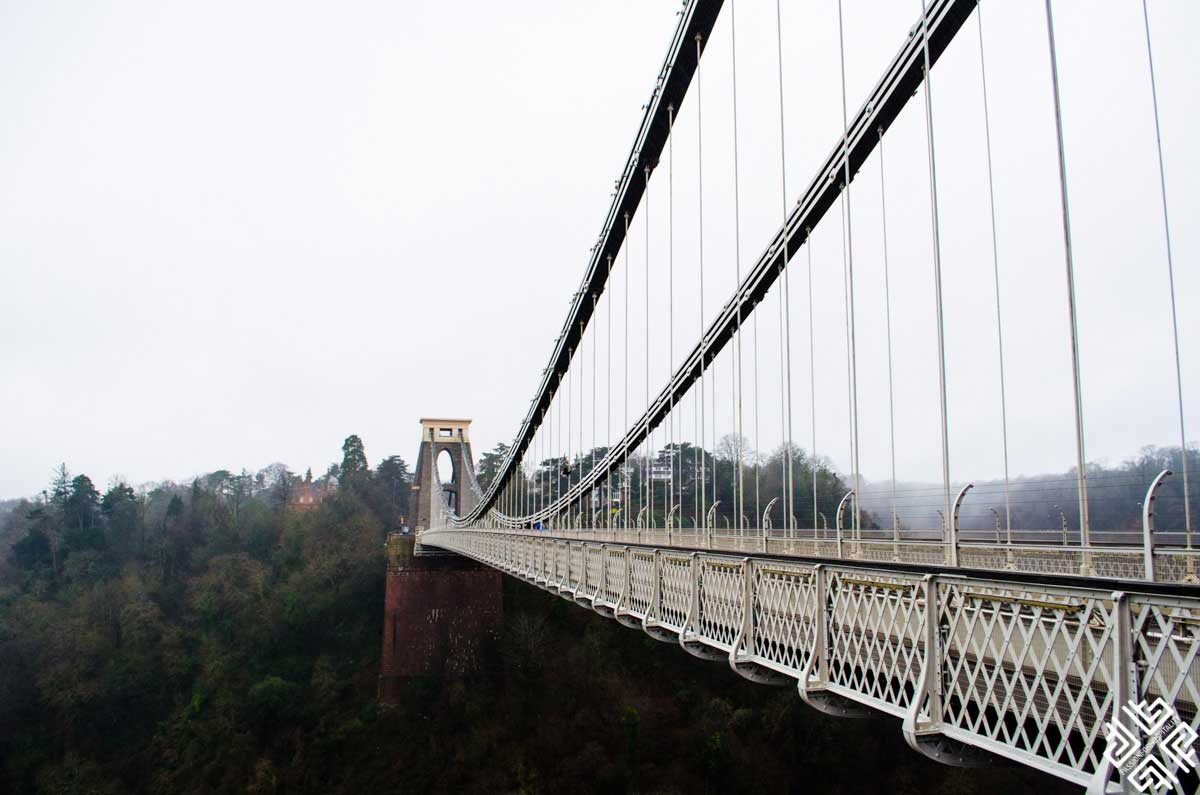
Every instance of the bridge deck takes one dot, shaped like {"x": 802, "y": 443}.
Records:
{"x": 1028, "y": 667}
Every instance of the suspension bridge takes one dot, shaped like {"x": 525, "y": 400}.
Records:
{"x": 989, "y": 641}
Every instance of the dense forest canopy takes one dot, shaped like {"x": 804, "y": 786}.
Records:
{"x": 171, "y": 638}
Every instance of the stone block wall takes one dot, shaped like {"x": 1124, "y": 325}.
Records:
{"x": 441, "y": 614}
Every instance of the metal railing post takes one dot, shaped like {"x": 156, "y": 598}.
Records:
{"x": 670, "y": 521}
{"x": 814, "y": 671}
{"x": 954, "y": 523}
{"x": 1127, "y": 691}
{"x": 602, "y": 591}
{"x": 709, "y": 522}
{"x": 656, "y": 580}
{"x": 813, "y": 684}
{"x": 694, "y": 616}
{"x": 823, "y": 621}
{"x": 766, "y": 522}
{"x": 1148, "y": 523}
{"x": 928, "y": 696}
{"x": 747, "y": 608}
{"x": 841, "y": 513}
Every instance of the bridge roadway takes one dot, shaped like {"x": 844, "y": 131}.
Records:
{"x": 1028, "y": 666}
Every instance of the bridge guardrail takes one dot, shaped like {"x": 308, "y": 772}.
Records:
{"x": 1171, "y": 564}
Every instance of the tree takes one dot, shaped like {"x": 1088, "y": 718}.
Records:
{"x": 56, "y": 503}
{"x": 34, "y": 550}
{"x": 169, "y": 543}
{"x": 354, "y": 473}
{"x": 489, "y": 465}
{"x": 392, "y": 480}
{"x": 331, "y": 478}
{"x": 215, "y": 481}
{"x": 237, "y": 489}
{"x": 81, "y": 512}
{"x": 281, "y": 487}
{"x": 60, "y": 487}
{"x": 354, "y": 458}
{"x": 174, "y": 507}
{"x": 120, "y": 509}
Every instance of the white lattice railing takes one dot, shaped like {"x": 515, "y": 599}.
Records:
{"x": 1171, "y": 564}
{"x": 1026, "y": 671}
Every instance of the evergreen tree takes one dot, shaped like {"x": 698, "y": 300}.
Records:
{"x": 120, "y": 508}
{"x": 489, "y": 465}
{"x": 81, "y": 512}
{"x": 354, "y": 458}
{"x": 392, "y": 481}
{"x": 354, "y": 473}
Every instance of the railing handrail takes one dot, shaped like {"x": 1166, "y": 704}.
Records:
{"x": 1119, "y": 564}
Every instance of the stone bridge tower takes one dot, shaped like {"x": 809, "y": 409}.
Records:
{"x": 438, "y": 435}
{"x": 442, "y": 612}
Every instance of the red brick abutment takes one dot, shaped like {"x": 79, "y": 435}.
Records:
{"x": 441, "y": 613}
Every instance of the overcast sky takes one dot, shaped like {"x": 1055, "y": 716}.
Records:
{"x": 234, "y": 233}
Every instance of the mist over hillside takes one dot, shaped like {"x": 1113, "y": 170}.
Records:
{"x": 1039, "y": 503}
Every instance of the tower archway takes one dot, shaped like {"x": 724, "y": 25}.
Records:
{"x": 446, "y": 445}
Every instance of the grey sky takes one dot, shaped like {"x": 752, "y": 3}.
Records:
{"x": 235, "y": 233}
